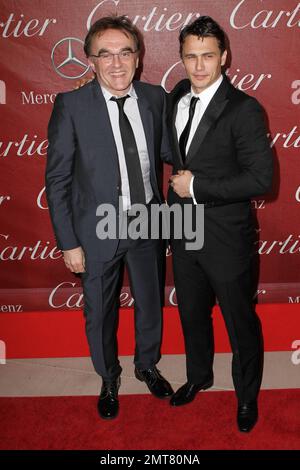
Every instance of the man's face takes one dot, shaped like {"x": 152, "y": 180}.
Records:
{"x": 114, "y": 73}
{"x": 202, "y": 60}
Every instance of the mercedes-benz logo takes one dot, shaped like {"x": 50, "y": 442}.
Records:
{"x": 68, "y": 48}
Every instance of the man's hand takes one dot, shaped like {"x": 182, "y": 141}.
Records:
{"x": 83, "y": 81}
{"x": 180, "y": 183}
{"x": 74, "y": 260}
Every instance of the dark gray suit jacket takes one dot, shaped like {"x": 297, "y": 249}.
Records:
{"x": 83, "y": 168}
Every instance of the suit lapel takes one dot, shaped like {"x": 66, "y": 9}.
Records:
{"x": 99, "y": 121}
{"x": 175, "y": 97}
{"x": 174, "y": 132}
{"x": 104, "y": 149}
{"x": 212, "y": 113}
{"x": 147, "y": 121}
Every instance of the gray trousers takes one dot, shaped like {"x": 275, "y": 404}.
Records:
{"x": 101, "y": 287}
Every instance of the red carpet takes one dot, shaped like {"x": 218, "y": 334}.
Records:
{"x": 148, "y": 423}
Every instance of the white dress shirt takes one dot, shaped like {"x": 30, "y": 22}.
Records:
{"x": 132, "y": 112}
{"x": 183, "y": 114}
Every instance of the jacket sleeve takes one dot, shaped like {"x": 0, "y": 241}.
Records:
{"x": 254, "y": 159}
{"x": 59, "y": 174}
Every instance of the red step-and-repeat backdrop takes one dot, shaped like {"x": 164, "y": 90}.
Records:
{"x": 41, "y": 54}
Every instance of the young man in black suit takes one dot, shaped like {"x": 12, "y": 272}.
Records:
{"x": 222, "y": 159}
{"x": 106, "y": 140}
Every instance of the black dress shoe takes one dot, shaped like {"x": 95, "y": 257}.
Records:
{"x": 108, "y": 403}
{"x": 157, "y": 384}
{"x": 247, "y": 416}
{"x": 187, "y": 393}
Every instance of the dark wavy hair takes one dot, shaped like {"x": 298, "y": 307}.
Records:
{"x": 204, "y": 27}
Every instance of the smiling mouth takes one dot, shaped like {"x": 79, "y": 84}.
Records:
{"x": 118, "y": 74}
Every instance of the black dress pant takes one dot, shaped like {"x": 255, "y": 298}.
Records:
{"x": 199, "y": 278}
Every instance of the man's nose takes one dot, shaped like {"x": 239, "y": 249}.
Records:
{"x": 116, "y": 59}
{"x": 199, "y": 63}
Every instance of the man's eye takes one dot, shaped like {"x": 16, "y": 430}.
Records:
{"x": 104, "y": 55}
{"x": 125, "y": 54}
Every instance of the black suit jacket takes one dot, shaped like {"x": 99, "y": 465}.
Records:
{"x": 232, "y": 162}
{"x": 83, "y": 168}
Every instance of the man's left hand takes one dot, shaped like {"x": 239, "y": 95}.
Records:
{"x": 180, "y": 183}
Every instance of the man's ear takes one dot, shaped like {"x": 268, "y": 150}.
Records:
{"x": 224, "y": 57}
{"x": 137, "y": 62}
{"x": 92, "y": 65}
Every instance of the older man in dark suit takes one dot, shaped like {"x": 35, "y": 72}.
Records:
{"x": 105, "y": 144}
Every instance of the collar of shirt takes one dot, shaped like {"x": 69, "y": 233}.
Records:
{"x": 205, "y": 96}
{"x": 108, "y": 95}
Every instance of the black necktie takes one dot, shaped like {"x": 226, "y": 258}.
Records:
{"x": 133, "y": 164}
{"x": 183, "y": 139}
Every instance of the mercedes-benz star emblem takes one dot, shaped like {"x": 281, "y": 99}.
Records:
{"x": 68, "y": 48}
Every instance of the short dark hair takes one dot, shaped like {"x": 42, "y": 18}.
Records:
{"x": 204, "y": 27}
{"x": 121, "y": 23}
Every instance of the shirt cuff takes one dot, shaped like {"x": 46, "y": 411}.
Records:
{"x": 192, "y": 189}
